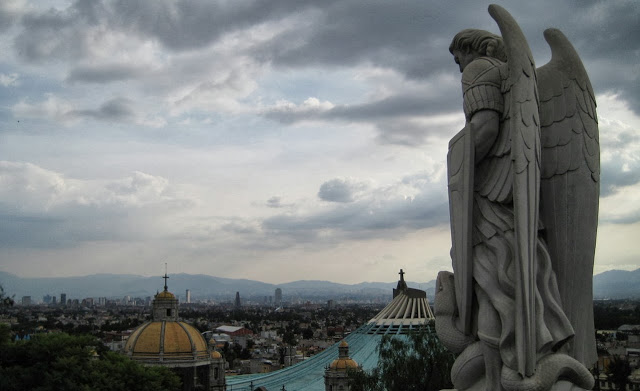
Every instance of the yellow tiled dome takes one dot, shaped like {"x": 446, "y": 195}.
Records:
{"x": 215, "y": 354}
{"x": 342, "y": 364}
{"x": 166, "y": 341}
{"x": 165, "y": 295}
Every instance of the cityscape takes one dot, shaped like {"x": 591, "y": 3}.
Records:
{"x": 266, "y": 334}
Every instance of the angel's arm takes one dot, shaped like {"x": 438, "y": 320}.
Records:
{"x": 485, "y": 125}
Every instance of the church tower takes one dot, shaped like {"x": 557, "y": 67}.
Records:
{"x": 165, "y": 305}
{"x": 336, "y": 377}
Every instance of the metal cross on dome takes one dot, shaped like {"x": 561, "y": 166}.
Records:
{"x": 165, "y": 277}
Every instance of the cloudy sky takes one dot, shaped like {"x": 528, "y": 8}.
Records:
{"x": 271, "y": 140}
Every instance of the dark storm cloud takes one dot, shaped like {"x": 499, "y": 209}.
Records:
{"x": 400, "y": 105}
{"x": 408, "y": 133}
{"x": 104, "y": 73}
{"x": 177, "y": 25}
{"x": 8, "y": 16}
{"x": 117, "y": 109}
{"x": 276, "y": 202}
{"x": 602, "y": 33}
{"x": 628, "y": 218}
{"x": 362, "y": 219}
{"x": 336, "y": 190}
{"x": 51, "y": 35}
{"x": 411, "y": 37}
{"x": 182, "y": 25}
{"x": 239, "y": 227}
{"x": 391, "y": 117}
{"x": 24, "y": 231}
{"x": 616, "y": 175}
{"x": 399, "y": 35}
{"x": 371, "y": 216}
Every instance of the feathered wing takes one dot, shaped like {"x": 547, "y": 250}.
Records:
{"x": 570, "y": 185}
{"x": 521, "y": 106}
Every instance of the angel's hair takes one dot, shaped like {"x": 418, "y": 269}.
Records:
{"x": 480, "y": 41}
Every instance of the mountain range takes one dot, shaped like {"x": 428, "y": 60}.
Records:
{"x": 201, "y": 286}
{"x": 614, "y": 284}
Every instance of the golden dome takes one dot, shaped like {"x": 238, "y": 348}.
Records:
{"x": 166, "y": 341}
{"x": 165, "y": 295}
{"x": 342, "y": 364}
{"x": 215, "y": 354}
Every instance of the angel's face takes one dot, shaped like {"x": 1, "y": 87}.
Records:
{"x": 464, "y": 58}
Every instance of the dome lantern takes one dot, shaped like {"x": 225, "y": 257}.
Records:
{"x": 165, "y": 304}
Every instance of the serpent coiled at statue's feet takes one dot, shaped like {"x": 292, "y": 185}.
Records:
{"x": 468, "y": 368}
{"x": 469, "y": 365}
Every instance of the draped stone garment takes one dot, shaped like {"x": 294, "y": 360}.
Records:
{"x": 493, "y": 228}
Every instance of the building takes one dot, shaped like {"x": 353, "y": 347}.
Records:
{"x": 26, "y": 300}
{"x": 278, "y": 297}
{"x": 237, "y": 302}
{"x": 63, "y": 299}
{"x": 188, "y": 296}
{"x": 409, "y": 310}
{"x": 233, "y": 331}
{"x": 335, "y": 376}
{"x": 166, "y": 341}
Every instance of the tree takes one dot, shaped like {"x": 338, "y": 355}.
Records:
{"x": 307, "y": 333}
{"x": 618, "y": 372}
{"x": 289, "y": 338}
{"x": 63, "y": 362}
{"x": 360, "y": 380}
{"x": 415, "y": 361}
{"x": 5, "y": 335}
{"x": 5, "y": 301}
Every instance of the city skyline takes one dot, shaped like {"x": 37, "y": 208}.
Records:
{"x": 268, "y": 141}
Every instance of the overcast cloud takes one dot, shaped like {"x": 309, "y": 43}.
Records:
{"x": 276, "y": 140}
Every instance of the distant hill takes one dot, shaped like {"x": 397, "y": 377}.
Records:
{"x": 614, "y": 284}
{"x": 201, "y": 286}
{"x": 617, "y": 284}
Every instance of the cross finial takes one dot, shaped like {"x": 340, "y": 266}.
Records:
{"x": 401, "y": 275}
{"x": 165, "y": 277}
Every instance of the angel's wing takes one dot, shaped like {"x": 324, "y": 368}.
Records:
{"x": 570, "y": 185}
{"x": 521, "y": 106}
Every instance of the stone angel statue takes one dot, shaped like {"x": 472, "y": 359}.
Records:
{"x": 523, "y": 195}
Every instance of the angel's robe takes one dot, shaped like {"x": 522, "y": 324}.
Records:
{"x": 493, "y": 233}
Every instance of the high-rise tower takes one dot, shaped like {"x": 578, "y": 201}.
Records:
{"x": 278, "y": 297}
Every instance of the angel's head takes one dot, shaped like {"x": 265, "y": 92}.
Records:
{"x": 470, "y": 44}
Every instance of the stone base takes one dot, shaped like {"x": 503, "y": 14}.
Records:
{"x": 564, "y": 385}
